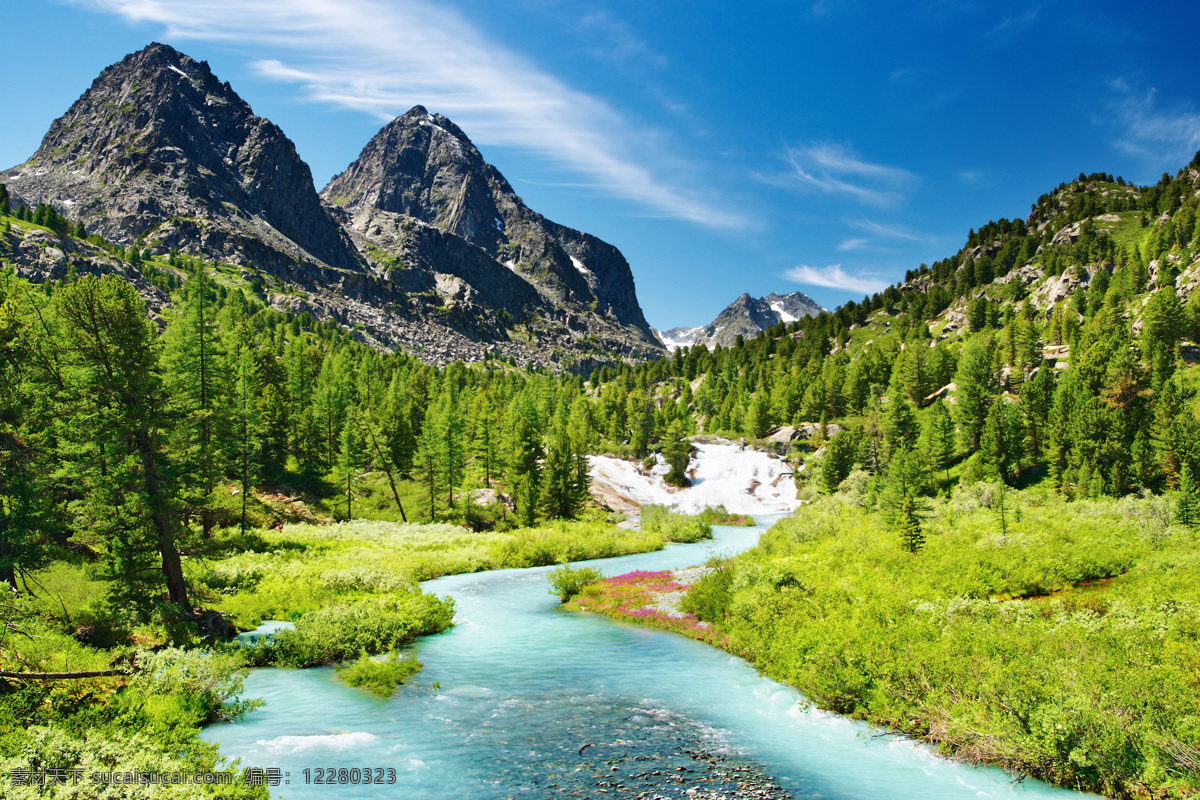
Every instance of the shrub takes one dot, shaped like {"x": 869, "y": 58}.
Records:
{"x": 566, "y": 582}
{"x": 709, "y": 597}
{"x": 373, "y": 625}
{"x": 674, "y": 527}
{"x": 379, "y": 677}
{"x": 212, "y": 679}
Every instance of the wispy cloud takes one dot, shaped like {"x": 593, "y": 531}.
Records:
{"x": 970, "y": 177}
{"x": 381, "y": 58}
{"x": 617, "y": 44}
{"x": 835, "y": 169}
{"x": 834, "y": 277}
{"x": 893, "y": 231}
{"x": 1147, "y": 130}
{"x": 853, "y": 244}
{"x": 1015, "y": 21}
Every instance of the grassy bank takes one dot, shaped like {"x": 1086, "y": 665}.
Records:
{"x": 1063, "y": 644}
{"x": 351, "y": 588}
{"x": 304, "y": 568}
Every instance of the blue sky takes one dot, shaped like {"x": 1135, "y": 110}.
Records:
{"x": 821, "y": 146}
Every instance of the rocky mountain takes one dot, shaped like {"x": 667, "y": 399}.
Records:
{"x": 420, "y": 179}
{"x": 419, "y": 244}
{"x": 746, "y": 317}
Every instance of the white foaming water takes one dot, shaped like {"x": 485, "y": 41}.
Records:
{"x": 291, "y": 745}
{"x": 744, "y": 481}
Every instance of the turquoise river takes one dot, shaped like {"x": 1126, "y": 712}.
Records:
{"x": 533, "y": 702}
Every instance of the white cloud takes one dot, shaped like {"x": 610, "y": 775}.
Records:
{"x": 834, "y": 169}
{"x": 853, "y": 244}
{"x": 382, "y": 58}
{"x": 970, "y": 177}
{"x": 1148, "y": 131}
{"x": 834, "y": 277}
{"x": 900, "y": 232}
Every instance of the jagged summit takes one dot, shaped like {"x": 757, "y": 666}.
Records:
{"x": 746, "y": 317}
{"x": 157, "y": 137}
{"x": 422, "y": 167}
{"x": 419, "y": 244}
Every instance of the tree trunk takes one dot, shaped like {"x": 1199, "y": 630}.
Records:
{"x": 386, "y": 471}
{"x": 172, "y": 566}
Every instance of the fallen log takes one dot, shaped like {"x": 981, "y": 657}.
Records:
{"x": 59, "y": 676}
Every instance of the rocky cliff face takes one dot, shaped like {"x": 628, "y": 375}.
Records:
{"x": 422, "y": 245}
{"x": 158, "y": 137}
{"x": 746, "y": 317}
{"x": 421, "y": 171}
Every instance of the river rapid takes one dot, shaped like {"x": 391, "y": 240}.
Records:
{"x": 523, "y": 700}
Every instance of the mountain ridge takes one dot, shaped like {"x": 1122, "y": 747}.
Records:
{"x": 746, "y": 317}
{"x": 160, "y": 154}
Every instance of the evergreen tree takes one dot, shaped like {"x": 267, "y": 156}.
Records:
{"x": 677, "y": 452}
{"x": 900, "y": 425}
{"x": 26, "y": 513}
{"x": 912, "y": 534}
{"x": 245, "y": 443}
{"x": 350, "y": 458}
{"x": 639, "y": 419}
{"x": 976, "y": 385}
{"x": 196, "y": 373}
{"x": 524, "y": 469}
{"x": 941, "y": 437}
{"x": 484, "y": 440}
{"x": 1002, "y": 441}
{"x": 1187, "y": 502}
{"x": 840, "y": 456}
{"x": 112, "y": 393}
{"x": 563, "y": 485}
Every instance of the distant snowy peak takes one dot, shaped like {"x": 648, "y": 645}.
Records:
{"x": 747, "y": 316}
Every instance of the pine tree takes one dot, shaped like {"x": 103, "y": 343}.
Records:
{"x": 26, "y": 511}
{"x": 1187, "y": 502}
{"x": 677, "y": 452}
{"x": 452, "y": 447}
{"x": 1002, "y": 441}
{"x": 245, "y": 442}
{"x": 382, "y": 456}
{"x": 196, "y": 373}
{"x": 639, "y": 419}
{"x": 900, "y": 425}
{"x": 484, "y": 442}
{"x": 350, "y": 458}
{"x": 839, "y": 460}
{"x": 977, "y": 383}
{"x": 912, "y": 534}
{"x": 562, "y": 492}
{"x": 112, "y": 392}
{"x": 524, "y": 469}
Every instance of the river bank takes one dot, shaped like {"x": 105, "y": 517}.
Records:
{"x": 1063, "y": 647}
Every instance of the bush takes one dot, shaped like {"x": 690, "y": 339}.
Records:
{"x": 719, "y": 515}
{"x": 374, "y": 625}
{"x": 563, "y": 542}
{"x": 379, "y": 677}
{"x": 709, "y": 597}
{"x": 211, "y": 679}
{"x": 674, "y": 527}
{"x": 566, "y": 582}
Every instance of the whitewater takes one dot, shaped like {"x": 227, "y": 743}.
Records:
{"x": 745, "y": 481}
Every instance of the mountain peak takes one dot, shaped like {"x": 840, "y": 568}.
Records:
{"x": 746, "y": 317}
{"x": 423, "y": 167}
{"x": 157, "y": 137}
